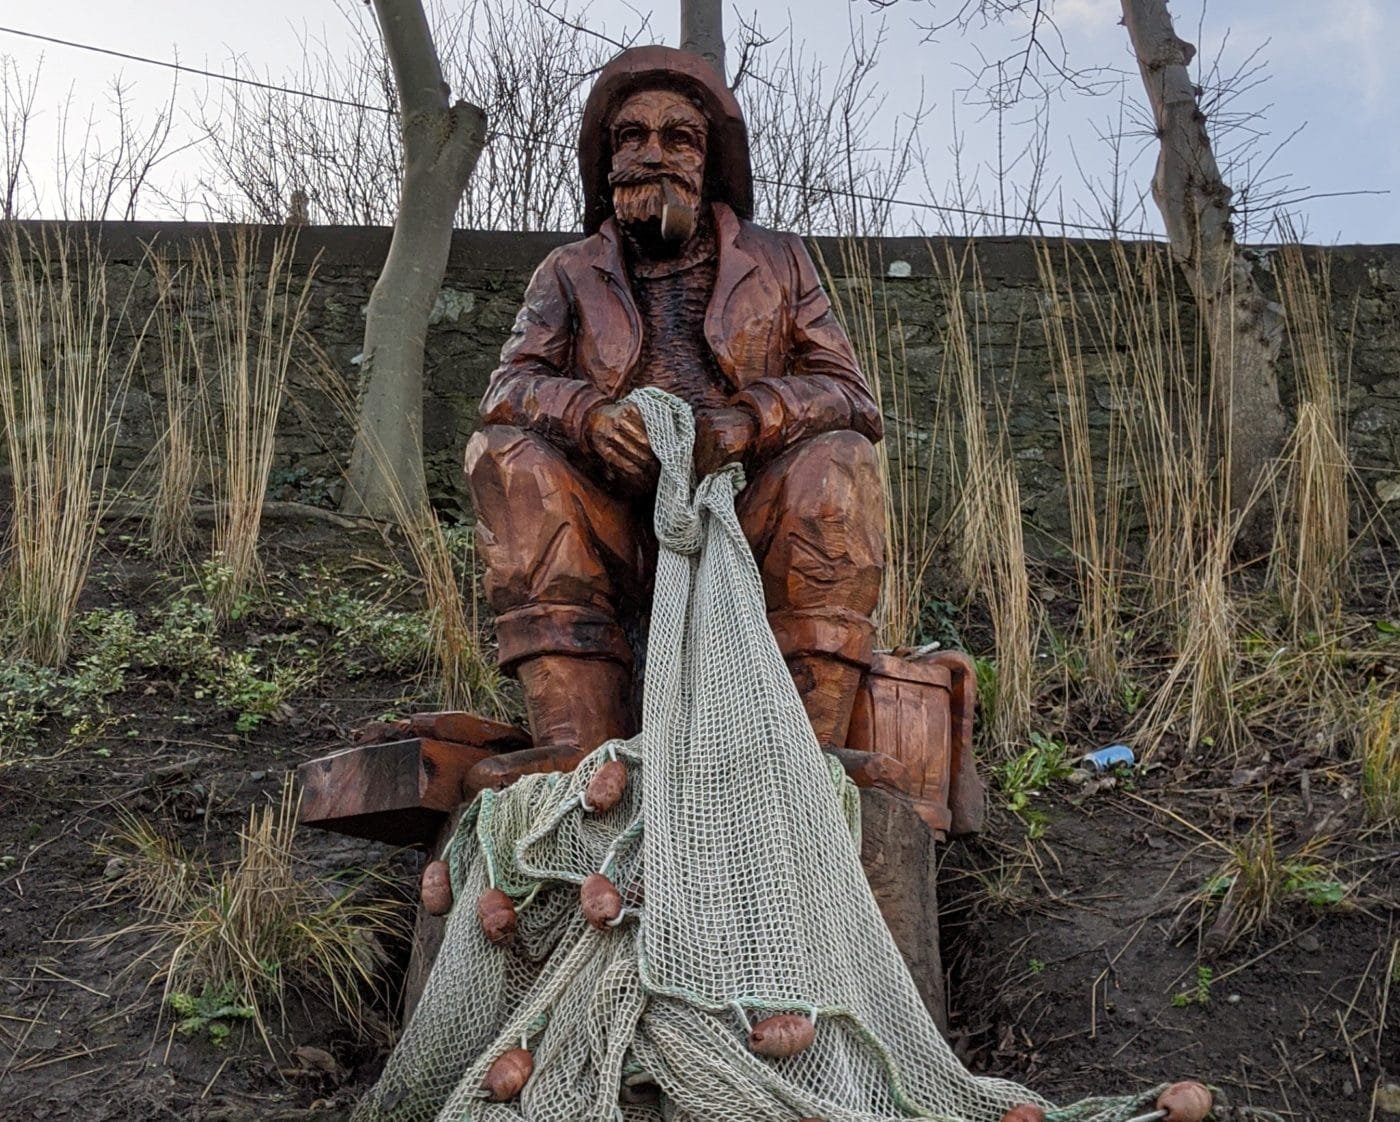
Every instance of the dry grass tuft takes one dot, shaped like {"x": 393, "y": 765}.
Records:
{"x": 171, "y": 514}
{"x": 1379, "y": 739}
{"x": 467, "y": 677}
{"x": 1258, "y": 887}
{"x": 1095, "y": 508}
{"x": 256, "y": 312}
{"x": 61, "y": 391}
{"x": 256, "y": 930}
{"x": 905, "y": 455}
{"x": 1312, "y": 547}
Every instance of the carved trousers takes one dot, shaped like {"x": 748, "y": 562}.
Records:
{"x": 569, "y": 563}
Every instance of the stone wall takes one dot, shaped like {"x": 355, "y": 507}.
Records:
{"x": 487, "y": 273}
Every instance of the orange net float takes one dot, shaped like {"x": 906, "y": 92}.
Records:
{"x": 1026, "y": 1112}
{"x": 435, "y": 888}
{"x": 508, "y": 1074}
{"x": 784, "y": 1034}
{"x": 495, "y": 911}
{"x": 1187, "y": 1101}
{"x": 600, "y": 901}
{"x": 604, "y": 790}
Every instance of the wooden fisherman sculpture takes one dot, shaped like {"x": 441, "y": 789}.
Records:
{"x": 672, "y": 287}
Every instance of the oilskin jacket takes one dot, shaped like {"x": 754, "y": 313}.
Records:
{"x": 578, "y": 339}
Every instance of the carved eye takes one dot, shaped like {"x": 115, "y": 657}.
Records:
{"x": 681, "y": 137}
{"x": 631, "y": 136}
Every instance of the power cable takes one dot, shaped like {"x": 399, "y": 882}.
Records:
{"x": 845, "y": 192}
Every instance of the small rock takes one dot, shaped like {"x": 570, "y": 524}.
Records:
{"x": 1234, "y": 999}
{"x": 115, "y": 867}
{"x": 257, "y": 776}
{"x": 1309, "y": 943}
{"x": 1388, "y": 1098}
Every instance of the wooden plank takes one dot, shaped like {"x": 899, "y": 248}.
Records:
{"x": 399, "y": 793}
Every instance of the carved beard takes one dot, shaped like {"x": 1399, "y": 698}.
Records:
{"x": 639, "y": 203}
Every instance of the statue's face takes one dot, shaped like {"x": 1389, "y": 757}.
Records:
{"x": 658, "y": 139}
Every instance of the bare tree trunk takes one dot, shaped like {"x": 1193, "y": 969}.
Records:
{"x": 702, "y": 30}
{"x": 441, "y": 143}
{"x": 1243, "y": 329}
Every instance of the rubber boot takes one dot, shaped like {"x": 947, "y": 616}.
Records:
{"x": 573, "y": 705}
{"x": 828, "y": 689}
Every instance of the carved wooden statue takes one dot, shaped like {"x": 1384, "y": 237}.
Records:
{"x": 672, "y": 287}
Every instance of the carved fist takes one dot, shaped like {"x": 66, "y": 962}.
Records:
{"x": 723, "y": 436}
{"x": 616, "y": 435}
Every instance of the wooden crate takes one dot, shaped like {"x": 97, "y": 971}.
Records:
{"x": 401, "y": 791}
{"x": 919, "y": 709}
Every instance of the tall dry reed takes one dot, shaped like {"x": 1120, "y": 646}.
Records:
{"x": 466, "y": 676}
{"x": 1311, "y": 547}
{"x": 257, "y": 306}
{"x": 171, "y": 518}
{"x": 906, "y": 456}
{"x": 1094, "y": 479}
{"x": 62, "y": 386}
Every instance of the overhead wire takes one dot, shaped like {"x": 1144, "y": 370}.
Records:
{"x": 1023, "y": 220}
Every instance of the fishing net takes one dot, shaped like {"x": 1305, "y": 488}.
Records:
{"x": 735, "y": 850}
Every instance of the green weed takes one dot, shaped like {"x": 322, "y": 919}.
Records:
{"x": 1198, "y": 994}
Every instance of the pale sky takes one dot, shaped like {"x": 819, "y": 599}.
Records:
{"x": 1327, "y": 68}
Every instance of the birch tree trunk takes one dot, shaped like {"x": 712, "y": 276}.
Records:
{"x": 702, "y": 30}
{"x": 1243, "y": 329}
{"x": 441, "y": 143}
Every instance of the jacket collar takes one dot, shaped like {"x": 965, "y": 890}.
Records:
{"x": 734, "y": 262}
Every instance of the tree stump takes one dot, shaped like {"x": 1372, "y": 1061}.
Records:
{"x": 898, "y": 852}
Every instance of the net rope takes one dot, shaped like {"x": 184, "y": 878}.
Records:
{"x": 735, "y": 848}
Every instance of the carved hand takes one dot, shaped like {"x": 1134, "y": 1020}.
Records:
{"x": 722, "y": 436}
{"x": 617, "y": 436}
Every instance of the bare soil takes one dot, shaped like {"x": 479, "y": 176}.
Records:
{"x": 1065, "y": 952}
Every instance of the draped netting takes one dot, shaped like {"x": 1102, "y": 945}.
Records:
{"x": 735, "y": 848}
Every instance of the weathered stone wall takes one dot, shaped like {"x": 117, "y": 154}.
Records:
{"x": 1006, "y": 301}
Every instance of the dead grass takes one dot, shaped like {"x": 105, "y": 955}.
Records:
{"x": 1378, "y": 734}
{"x": 171, "y": 516}
{"x": 906, "y": 454}
{"x": 256, "y": 311}
{"x": 1309, "y": 564}
{"x": 61, "y": 392}
{"x": 256, "y": 930}
{"x": 1258, "y": 887}
{"x": 468, "y": 678}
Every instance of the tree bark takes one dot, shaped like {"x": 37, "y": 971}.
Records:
{"x": 702, "y": 30}
{"x": 1243, "y": 329}
{"x": 441, "y": 144}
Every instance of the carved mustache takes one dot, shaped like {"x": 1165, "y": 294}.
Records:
{"x": 626, "y": 177}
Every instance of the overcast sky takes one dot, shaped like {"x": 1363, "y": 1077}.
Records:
{"x": 1330, "y": 79}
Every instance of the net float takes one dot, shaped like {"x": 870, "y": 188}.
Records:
{"x": 435, "y": 888}
{"x": 496, "y": 913}
{"x": 784, "y": 1034}
{"x": 508, "y": 1074}
{"x": 604, "y": 790}
{"x": 1187, "y": 1101}
{"x": 1026, "y": 1112}
{"x": 600, "y": 901}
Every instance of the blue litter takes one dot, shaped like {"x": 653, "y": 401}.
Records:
{"x": 1115, "y": 755}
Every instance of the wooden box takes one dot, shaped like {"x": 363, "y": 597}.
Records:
{"x": 400, "y": 791}
{"x": 919, "y": 709}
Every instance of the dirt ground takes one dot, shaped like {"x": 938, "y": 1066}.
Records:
{"x": 1077, "y": 959}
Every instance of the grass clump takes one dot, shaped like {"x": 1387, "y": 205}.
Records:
{"x": 1379, "y": 736}
{"x": 253, "y": 932}
{"x": 61, "y": 389}
{"x": 1258, "y": 886}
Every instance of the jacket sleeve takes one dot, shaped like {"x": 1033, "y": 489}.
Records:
{"x": 535, "y": 387}
{"x": 823, "y": 389}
